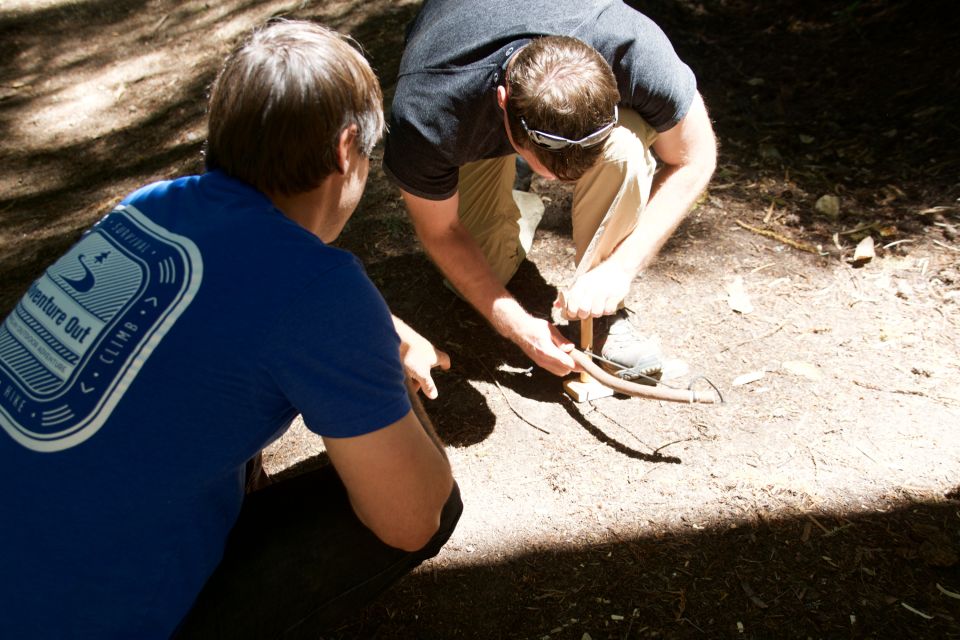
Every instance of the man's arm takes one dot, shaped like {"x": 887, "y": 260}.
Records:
{"x": 419, "y": 356}
{"x": 453, "y": 249}
{"x": 689, "y": 155}
{"x": 398, "y": 479}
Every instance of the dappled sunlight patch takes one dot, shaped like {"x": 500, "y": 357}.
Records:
{"x": 97, "y": 105}
{"x": 14, "y": 7}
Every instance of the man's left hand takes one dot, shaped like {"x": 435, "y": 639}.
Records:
{"x": 596, "y": 293}
{"x": 419, "y": 357}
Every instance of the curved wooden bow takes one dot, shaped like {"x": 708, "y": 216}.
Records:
{"x": 641, "y": 390}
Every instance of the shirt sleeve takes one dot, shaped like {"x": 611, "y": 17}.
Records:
{"x": 652, "y": 78}
{"x": 336, "y": 356}
{"x": 414, "y": 154}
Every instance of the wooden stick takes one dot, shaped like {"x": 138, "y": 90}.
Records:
{"x": 587, "y": 387}
{"x": 586, "y": 343}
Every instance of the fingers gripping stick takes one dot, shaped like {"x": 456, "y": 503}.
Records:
{"x": 586, "y": 387}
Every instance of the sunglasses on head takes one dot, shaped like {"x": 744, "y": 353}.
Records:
{"x": 554, "y": 142}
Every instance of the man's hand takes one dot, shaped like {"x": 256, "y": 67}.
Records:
{"x": 545, "y": 345}
{"x": 419, "y": 356}
{"x": 596, "y": 293}
{"x": 418, "y": 359}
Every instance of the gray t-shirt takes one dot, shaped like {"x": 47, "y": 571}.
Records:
{"x": 445, "y": 111}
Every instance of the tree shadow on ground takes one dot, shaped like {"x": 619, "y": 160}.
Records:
{"x": 855, "y": 99}
{"x": 889, "y": 574}
{"x": 46, "y": 46}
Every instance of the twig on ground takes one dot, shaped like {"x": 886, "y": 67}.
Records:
{"x": 664, "y": 446}
{"x": 753, "y": 339}
{"x": 507, "y": 400}
{"x": 945, "y": 245}
{"x": 515, "y": 412}
{"x": 691, "y": 623}
{"x": 865, "y": 454}
{"x": 906, "y": 392}
{"x": 949, "y": 594}
{"x": 802, "y": 246}
{"x": 817, "y": 522}
{"x": 916, "y": 611}
{"x": 632, "y": 435}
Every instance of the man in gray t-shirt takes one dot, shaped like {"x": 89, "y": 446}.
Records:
{"x": 583, "y": 91}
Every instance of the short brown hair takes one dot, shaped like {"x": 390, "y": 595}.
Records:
{"x": 563, "y": 86}
{"x": 282, "y": 99}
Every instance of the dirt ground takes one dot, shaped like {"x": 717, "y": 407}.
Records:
{"x": 822, "y": 500}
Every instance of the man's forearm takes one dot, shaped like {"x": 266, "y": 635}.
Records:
{"x": 458, "y": 257}
{"x": 468, "y": 271}
{"x": 674, "y": 192}
{"x": 689, "y": 155}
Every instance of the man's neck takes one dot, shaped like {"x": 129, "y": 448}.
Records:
{"x": 310, "y": 209}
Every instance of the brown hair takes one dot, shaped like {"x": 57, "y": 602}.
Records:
{"x": 561, "y": 85}
{"x": 280, "y": 102}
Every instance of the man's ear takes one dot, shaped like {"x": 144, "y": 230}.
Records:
{"x": 502, "y": 97}
{"x": 345, "y": 147}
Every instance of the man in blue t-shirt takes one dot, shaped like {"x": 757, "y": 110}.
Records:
{"x": 585, "y": 91}
{"x": 147, "y": 368}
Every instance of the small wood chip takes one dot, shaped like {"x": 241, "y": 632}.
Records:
{"x": 865, "y": 251}
{"x": 737, "y": 296}
{"x": 804, "y": 369}
{"x": 747, "y": 378}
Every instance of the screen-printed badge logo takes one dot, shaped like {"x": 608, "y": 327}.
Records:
{"x": 84, "y": 329}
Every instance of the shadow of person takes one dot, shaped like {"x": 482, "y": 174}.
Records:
{"x": 415, "y": 291}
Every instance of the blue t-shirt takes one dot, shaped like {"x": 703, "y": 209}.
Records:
{"x": 141, "y": 371}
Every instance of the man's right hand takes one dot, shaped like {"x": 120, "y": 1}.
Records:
{"x": 540, "y": 340}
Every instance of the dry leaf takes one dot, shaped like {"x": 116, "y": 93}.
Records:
{"x": 804, "y": 369}
{"x": 864, "y": 251}
{"x": 737, "y": 296}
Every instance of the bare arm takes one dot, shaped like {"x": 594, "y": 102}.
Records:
{"x": 398, "y": 479}
{"x": 689, "y": 155}
{"x": 419, "y": 356}
{"x": 452, "y": 247}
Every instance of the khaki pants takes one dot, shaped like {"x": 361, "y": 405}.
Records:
{"x": 611, "y": 194}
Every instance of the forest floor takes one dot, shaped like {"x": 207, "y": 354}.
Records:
{"x": 821, "y": 500}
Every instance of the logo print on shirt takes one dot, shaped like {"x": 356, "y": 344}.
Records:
{"x": 84, "y": 329}
{"x": 85, "y": 283}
